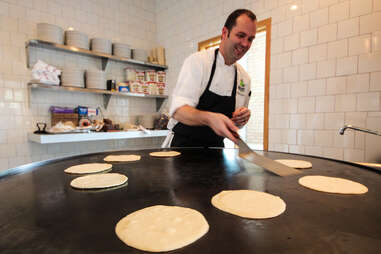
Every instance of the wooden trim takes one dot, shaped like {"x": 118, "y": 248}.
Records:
{"x": 267, "y": 25}
{"x": 209, "y": 43}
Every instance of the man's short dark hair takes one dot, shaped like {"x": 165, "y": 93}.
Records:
{"x": 231, "y": 20}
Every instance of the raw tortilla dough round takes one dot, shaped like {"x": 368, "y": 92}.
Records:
{"x": 88, "y": 168}
{"x": 296, "y": 163}
{"x": 99, "y": 181}
{"x": 249, "y": 204}
{"x": 123, "y": 158}
{"x": 165, "y": 154}
{"x": 332, "y": 185}
{"x": 161, "y": 228}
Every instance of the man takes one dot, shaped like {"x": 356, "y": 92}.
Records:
{"x": 211, "y": 96}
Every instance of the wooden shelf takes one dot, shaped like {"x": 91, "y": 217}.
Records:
{"x": 106, "y": 94}
{"x": 93, "y": 136}
{"x": 79, "y": 51}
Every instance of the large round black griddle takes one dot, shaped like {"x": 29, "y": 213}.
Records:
{"x": 41, "y": 213}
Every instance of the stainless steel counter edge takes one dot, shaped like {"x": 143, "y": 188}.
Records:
{"x": 93, "y": 136}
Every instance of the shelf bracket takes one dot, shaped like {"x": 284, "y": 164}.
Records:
{"x": 104, "y": 63}
{"x": 27, "y": 56}
{"x": 159, "y": 103}
{"x": 106, "y": 100}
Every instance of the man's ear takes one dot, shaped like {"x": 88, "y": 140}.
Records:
{"x": 225, "y": 33}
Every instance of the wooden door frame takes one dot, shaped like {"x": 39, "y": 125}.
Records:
{"x": 262, "y": 26}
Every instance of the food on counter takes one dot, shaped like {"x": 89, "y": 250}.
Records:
{"x": 165, "y": 154}
{"x": 161, "y": 122}
{"x": 249, "y": 204}
{"x": 296, "y": 163}
{"x": 332, "y": 185}
{"x": 99, "y": 181}
{"x": 109, "y": 126}
{"x": 161, "y": 228}
{"x": 124, "y": 158}
{"x": 130, "y": 127}
{"x": 84, "y": 122}
{"x": 62, "y": 127}
{"x": 88, "y": 168}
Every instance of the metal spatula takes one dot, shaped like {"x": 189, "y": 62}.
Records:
{"x": 277, "y": 168}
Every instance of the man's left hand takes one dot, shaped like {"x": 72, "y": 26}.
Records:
{"x": 241, "y": 116}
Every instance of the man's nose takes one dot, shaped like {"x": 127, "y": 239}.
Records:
{"x": 245, "y": 43}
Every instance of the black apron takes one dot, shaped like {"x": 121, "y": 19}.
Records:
{"x": 204, "y": 136}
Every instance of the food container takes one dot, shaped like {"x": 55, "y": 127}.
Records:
{"x": 123, "y": 87}
{"x": 161, "y": 87}
{"x": 144, "y": 87}
{"x": 136, "y": 87}
{"x": 130, "y": 74}
{"x": 140, "y": 76}
{"x": 161, "y": 76}
{"x": 152, "y": 88}
{"x": 50, "y": 33}
{"x": 111, "y": 85}
{"x": 150, "y": 75}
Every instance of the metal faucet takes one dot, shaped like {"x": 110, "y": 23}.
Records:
{"x": 348, "y": 126}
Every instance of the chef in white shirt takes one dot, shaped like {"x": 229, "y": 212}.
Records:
{"x": 212, "y": 93}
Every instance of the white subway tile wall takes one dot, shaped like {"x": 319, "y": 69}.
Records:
{"x": 325, "y": 68}
{"x": 132, "y": 22}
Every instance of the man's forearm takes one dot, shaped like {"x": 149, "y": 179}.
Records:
{"x": 218, "y": 122}
{"x": 191, "y": 116}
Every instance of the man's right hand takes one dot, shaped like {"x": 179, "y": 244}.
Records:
{"x": 222, "y": 125}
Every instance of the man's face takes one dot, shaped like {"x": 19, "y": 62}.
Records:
{"x": 238, "y": 42}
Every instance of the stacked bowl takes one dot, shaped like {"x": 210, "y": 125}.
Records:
{"x": 95, "y": 79}
{"x": 140, "y": 54}
{"x": 50, "y": 33}
{"x": 121, "y": 50}
{"x": 72, "y": 76}
{"x": 101, "y": 45}
{"x": 76, "y": 39}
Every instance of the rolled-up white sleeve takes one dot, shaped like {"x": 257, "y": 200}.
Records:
{"x": 188, "y": 88}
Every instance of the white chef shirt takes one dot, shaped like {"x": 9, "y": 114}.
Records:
{"x": 194, "y": 77}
